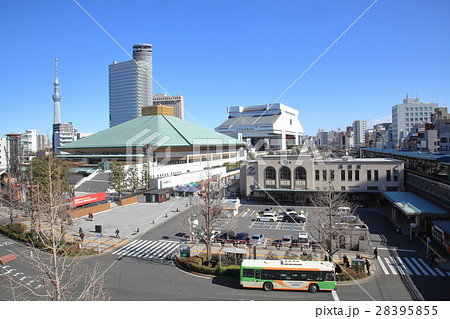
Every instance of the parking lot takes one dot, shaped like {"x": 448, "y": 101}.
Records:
{"x": 246, "y": 221}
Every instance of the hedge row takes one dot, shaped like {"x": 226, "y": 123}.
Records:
{"x": 194, "y": 264}
{"x": 18, "y": 232}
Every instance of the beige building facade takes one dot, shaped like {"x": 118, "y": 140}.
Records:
{"x": 295, "y": 178}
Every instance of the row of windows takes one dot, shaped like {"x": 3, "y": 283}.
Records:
{"x": 285, "y": 173}
{"x": 349, "y": 175}
{"x": 288, "y": 275}
{"x": 419, "y": 108}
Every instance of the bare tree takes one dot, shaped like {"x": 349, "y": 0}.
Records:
{"x": 329, "y": 224}
{"x": 202, "y": 217}
{"x": 59, "y": 265}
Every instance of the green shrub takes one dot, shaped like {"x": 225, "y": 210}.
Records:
{"x": 195, "y": 264}
{"x": 18, "y": 228}
{"x": 347, "y": 274}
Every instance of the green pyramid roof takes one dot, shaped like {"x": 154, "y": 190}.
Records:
{"x": 156, "y": 130}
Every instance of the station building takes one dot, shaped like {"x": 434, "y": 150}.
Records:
{"x": 294, "y": 179}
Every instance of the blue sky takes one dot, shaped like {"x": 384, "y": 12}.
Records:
{"x": 224, "y": 53}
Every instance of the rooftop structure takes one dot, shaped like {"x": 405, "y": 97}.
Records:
{"x": 270, "y": 126}
{"x": 177, "y": 102}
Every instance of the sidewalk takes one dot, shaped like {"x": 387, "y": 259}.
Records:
{"x": 420, "y": 244}
{"x": 132, "y": 221}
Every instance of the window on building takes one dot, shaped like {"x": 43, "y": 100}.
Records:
{"x": 324, "y": 175}
{"x": 317, "y": 175}
{"x": 375, "y": 175}
{"x": 369, "y": 175}
{"x": 332, "y": 175}
{"x": 350, "y": 175}
{"x": 356, "y": 175}
{"x": 342, "y": 175}
{"x": 388, "y": 175}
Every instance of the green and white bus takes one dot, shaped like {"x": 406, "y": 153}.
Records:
{"x": 288, "y": 274}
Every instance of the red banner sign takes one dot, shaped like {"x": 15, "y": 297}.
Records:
{"x": 92, "y": 198}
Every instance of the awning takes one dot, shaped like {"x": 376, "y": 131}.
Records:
{"x": 411, "y": 204}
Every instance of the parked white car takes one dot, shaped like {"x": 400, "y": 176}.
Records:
{"x": 267, "y": 217}
{"x": 258, "y": 239}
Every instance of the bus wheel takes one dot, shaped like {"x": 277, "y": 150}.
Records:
{"x": 267, "y": 286}
{"x": 313, "y": 288}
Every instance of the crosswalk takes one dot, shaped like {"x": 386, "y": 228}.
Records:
{"x": 392, "y": 265}
{"x": 148, "y": 249}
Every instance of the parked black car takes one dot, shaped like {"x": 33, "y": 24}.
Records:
{"x": 293, "y": 217}
{"x": 227, "y": 235}
{"x": 242, "y": 238}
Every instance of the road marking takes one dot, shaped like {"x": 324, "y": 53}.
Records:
{"x": 389, "y": 262}
{"x": 404, "y": 266}
{"x": 439, "y": 271}
{"x": 428, "y": 268}
{"x": 335, "y": 295}
{"x": 396, "y": 249}
{"x": 383, "y": 267}
{"x": 397, "y": 266}
{"x": 149, "y": 249}
{"x": 420, "y": 267}
{"x": 411, "y": 266}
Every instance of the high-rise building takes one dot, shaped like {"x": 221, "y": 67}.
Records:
{"x": 3, "y": 156}
{"x": 359, "y": 129}
{"x": 408, "y": 114}
{"x": 28, "y": 142}
{"x": 42, "y": 142}
{"x": 177, "y": 102}
{"x": 130, "y": 85}
{"x": 63, "y": 133}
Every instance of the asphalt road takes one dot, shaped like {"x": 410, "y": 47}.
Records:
{"x": 130, "y": 278}
{"x": 137, "y": 279}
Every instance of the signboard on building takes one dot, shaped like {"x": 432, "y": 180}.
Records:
{"x": 87, "y": 199}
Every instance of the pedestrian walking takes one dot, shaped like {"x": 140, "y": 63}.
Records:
{"x": 117, "y": 233}
{"x": 367, "y": 266}
{"x": 82, "y": 236}
{"x": 80, "y": 231}
{"x": 375, "y": 253}
{"x": 345, "y": 260}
